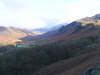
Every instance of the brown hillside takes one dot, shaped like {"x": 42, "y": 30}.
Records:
{"x": 10, "y": 35}
{"x": 72, "y": 66}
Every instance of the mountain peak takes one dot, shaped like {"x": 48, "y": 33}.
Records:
{"x": 97, "y": 17}
{"x": 2, "y": 28}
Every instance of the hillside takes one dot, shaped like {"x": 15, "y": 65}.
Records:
{"x": 8, "y": 34}
{"x": 49, "y": 28}
{"x": 80, "y": 28}
{"x": 88, "y": 28}
{"x": 73, "y": 66}
{"x": 11, "y": 35}
{"x": 70, "y": 50}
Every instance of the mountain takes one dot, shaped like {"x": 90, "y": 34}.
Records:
{"x": 73, "y": 49}
{"x": 82, "y": 27}
{"x": 85, "y": 28}
{"x": 44, "y": 32}
{"x": 48, "y": 28}
{"x": 81, "y": 38}
{"x": 77, "y": 28}
{"x": 10, "y": 35}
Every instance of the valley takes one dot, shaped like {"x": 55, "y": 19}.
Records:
{"x": 69, "y": 50}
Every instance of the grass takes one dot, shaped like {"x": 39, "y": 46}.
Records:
{"x": 26, "y": 45}
{"x": 98, "y": 72}
{"x": 43, "y": 42}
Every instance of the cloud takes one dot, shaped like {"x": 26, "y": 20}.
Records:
{"x": 82, "y": 8}
{"x": 41, "y": 13}
{"x": 14, "y": 5}
{"x": 50, "y": 21}
{"x": 17, "y": 13}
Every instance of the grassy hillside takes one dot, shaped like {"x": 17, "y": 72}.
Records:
{"x": 11, "y": 35}
{"x": 27, "y": 61}
{"x": 73, "y": 66}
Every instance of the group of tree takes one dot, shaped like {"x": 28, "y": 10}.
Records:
{"x": 27, "y": 61}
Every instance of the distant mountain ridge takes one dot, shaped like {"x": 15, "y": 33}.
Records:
{"x": 82, "y": 27}
{"x": 61, "y": 32}
{"x": 50, "y": 28}
{"x": 11, "y": 35}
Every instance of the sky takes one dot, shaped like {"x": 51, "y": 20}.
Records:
{"x": 32, "y": 14}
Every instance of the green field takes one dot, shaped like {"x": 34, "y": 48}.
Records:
{"x": 98, "y": 72}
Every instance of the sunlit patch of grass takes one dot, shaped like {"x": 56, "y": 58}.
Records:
{"x": 25, "y": 45}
